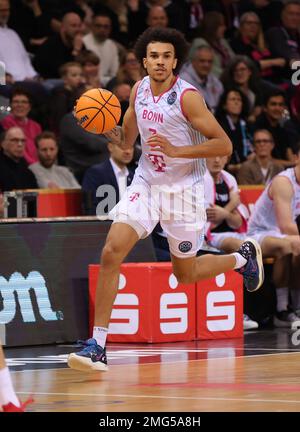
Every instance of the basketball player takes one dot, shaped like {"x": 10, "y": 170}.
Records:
{"x": 280, "y": 201}
{"x": 177, "y": 132}
{"x": 8, "y": 398}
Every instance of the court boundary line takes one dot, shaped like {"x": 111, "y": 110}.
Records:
{"x": 156, "y": 363}
{"x": 159, "y": 397}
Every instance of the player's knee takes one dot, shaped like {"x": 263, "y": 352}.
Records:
{"x": 111, "y": 254}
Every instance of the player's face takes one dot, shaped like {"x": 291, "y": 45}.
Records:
{"x": 47, "y": 152}
{"x": 4, "y": 11}
{"x": 160, "y": 61}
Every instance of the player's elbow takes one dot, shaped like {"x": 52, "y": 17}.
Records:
{"x": 227, "y": 147}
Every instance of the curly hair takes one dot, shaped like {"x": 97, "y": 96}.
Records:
{"x": 164, "y": 35}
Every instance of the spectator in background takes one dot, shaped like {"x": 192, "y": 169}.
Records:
{"x": 31, "y": 20}
{"x": 262, "y": 167}
{"x": 242, "y": 74}
{"x": 122, "y": 91}
{"x": 212, "y": 33}
{"x": 157, "y": 17}
{"x": 268, "y": 11}
{"x": 232, "y": 113}
{"x": 284, "y": 41}
{"x": 250, "y": 41}
{"x": 60, "y": 48}
{"x": 105, "y": 48}
{"x": 113, "y": 171}
{"x": 129, "y": 72}
{"x": 293, "y": 124}
{"x": 64, "y": 97}
{"x": 47, "y": 173}
{"x": 198, "y": 73}
{"x": 20, "y": 108}
{"x": 271, "y": 119}
{"x": 12, "y": 50}
{"x": 14, "y": 173}
{"x": 90, "y": 64}
{"x": 79, "y": 148}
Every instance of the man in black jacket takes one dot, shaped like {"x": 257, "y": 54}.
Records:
{"x": 113, "y": 172}
{"x": 14, "y": 173}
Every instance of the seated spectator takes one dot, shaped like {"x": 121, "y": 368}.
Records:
{"x": 198, "y": 73}
{"x": 157, "y": 17}
{"x": 20, "y": 108}
{"x": 293, "y": 124}
{"x": 14, "y": 173}
{"x": 122, "y": 92}
{"x": 48, "y": 174}
{"x": 129, "y": 72}
{"x": 105, "y": 48}
{"x": 242, "y": 73}
{"x": 274, "y": 218}
{"x": 284, "y": 41}
{"x": 262, "y": 167}
{"x": 79, "y": 148}
{"x": 32, "y": 21}
{"x": 271, "y": 119}
{"x": 90, "y": 64}
{"x": 64, "y": 97}
{"x": 231, "y": 114}
{"x": 268, "y": 11}
{"x": 212, "y": 34}
{"x": 12, "y": 51}
{"x": 113, "y": 171}
{"x": 250, "y": 41}
{"x": 224, "y": 213}
{"x": 60, "y": 48}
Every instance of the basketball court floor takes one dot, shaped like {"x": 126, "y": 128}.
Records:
{"x": 258, "y": 373}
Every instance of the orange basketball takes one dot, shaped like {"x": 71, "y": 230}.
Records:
{"x": 98, "y": 110}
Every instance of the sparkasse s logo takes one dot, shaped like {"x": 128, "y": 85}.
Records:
{"x": 17, "y": 289}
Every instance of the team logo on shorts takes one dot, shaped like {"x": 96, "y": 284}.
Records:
{"x": 185, "y": 246}
{"x": 172, "y": 98}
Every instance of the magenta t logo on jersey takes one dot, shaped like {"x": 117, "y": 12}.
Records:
{"x": 158, "y": 162}
{"x": 134, "y": 196}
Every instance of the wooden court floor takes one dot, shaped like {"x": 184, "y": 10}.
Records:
{"x": 258, "y": 373}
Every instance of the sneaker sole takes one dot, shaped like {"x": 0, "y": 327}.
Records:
{"x": 261, "y": 272}
{"x": 84, "y": 364}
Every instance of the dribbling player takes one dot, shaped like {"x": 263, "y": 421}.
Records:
{"x": 177, "y": 133}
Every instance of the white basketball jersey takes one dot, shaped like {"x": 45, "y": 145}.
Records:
{"x": 263, "y": 216}
{"x": 163, "y": 115}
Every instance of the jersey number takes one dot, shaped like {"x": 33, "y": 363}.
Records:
{"x": 157, "y": 160}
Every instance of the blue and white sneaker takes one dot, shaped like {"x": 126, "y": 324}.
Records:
{"x": 91, "y": 358}
{"x": 253, "y": 270}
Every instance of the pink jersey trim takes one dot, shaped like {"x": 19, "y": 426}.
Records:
{"x": 136, "y": 91}
{"x": 159, "y": 97}
{"x": 181, "y": 104}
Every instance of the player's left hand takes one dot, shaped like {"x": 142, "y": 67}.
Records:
{"x": 160, "y": 143}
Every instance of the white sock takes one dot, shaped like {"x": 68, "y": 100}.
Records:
{"x": 7, "y": 393}
{"x": 100, "y": 334}
{"x": 282, "y": 295}
{"x": 240, "y": 260}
